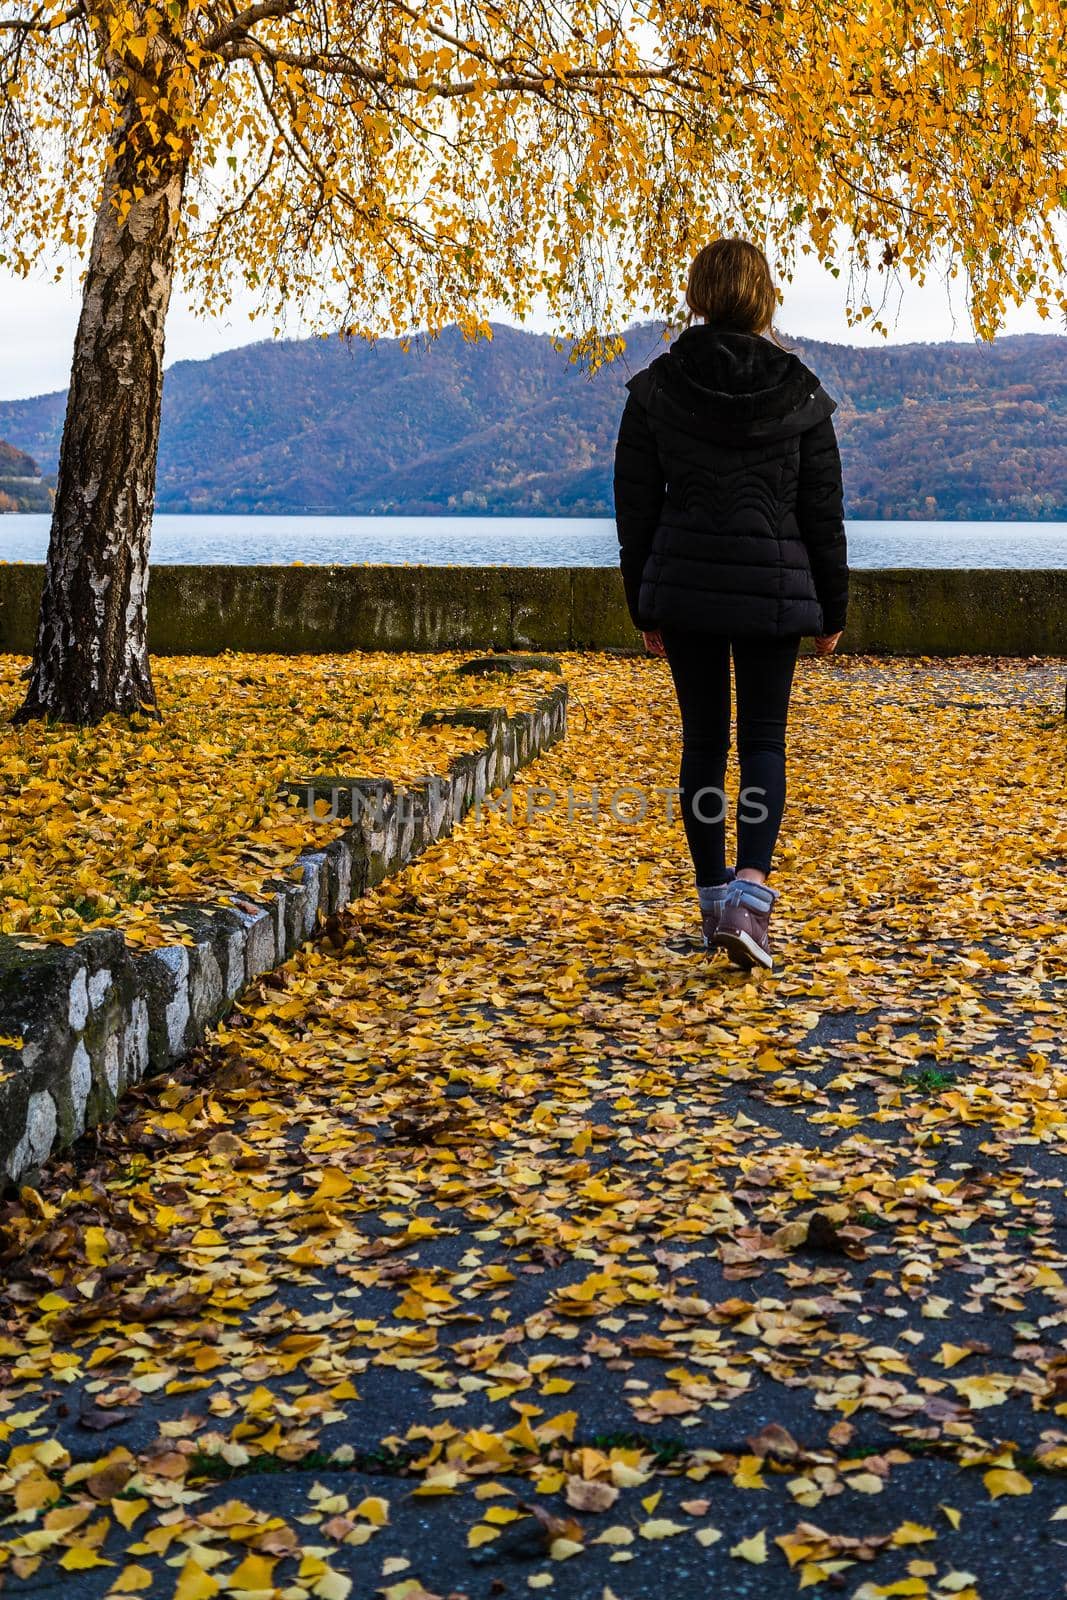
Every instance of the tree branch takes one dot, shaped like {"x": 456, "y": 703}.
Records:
{"x": 341, "y": 65}
{"x": 39, "y": 23}
{"x": 247, "y": 19}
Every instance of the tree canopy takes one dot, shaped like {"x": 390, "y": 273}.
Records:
{"x": 397, "y": 164}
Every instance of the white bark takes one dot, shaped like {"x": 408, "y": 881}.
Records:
{"x": 91, "y": 653}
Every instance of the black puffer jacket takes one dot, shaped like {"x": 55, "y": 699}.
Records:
{"x": 728, "y": 491}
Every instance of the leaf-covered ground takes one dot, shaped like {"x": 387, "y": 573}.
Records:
{"x": 505, "y": 1242}
{"x": 104, "y": 827}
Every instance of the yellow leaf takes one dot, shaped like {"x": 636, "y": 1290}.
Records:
{"x": 562, "y": 1549}
{"x": 375, "y": 1509}
{"x": 480, "y": 1534}
{"x": 912, "y": 1533}
{"x": 130, "y": 1580}
{"x": 444, "y": 1482}
{"x": 95, "y": 1246}
{"x": 333, "y": 1183}
{"x": 254, "y": 1572}
{"x": 194, "y": 1583}
{"x": 551, "y": 1482}
{"x": 79, "y": 1559}
{"x": 983, "y": 1390}
{"x": 523, "y": 1434}
{"x": 951, "y": 1354}
{"x": 1005, "y": 1480}
{"x": 624, "y": 1476}
{"x": 753, "y": 1549}
{"x": 332, "y": 1586}
{"x": 362, "y": 1533}
{"x": 127, "y": 1511}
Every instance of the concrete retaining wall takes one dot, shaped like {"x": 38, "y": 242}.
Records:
{"x": 203, "y": 610}
{"x": 97, "y": 1016}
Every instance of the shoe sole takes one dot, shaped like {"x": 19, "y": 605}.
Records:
{"x": 743, "y": 950}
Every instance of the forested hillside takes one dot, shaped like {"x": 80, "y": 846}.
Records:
{"x": 21, "y": 488}
{"x": 510, "y": 427}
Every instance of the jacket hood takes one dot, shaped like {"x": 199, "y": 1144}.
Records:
{"x": 738, "y": 384}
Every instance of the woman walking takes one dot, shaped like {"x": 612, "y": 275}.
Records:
{"x": 731, "y": 540}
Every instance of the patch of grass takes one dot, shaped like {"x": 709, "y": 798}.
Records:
{"x": 662, "y": 1451}
{"x": 929, "y": 1080}
{"x": 401, "y": 1463}
{"x": 84, "y": 907}
{"x": 393, "y": 1463}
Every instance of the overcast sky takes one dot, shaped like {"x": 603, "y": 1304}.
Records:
{"x": 38, "y": 319}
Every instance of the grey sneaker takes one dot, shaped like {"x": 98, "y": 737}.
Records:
{"x": 712, "y": 900}
{"x": 743, "y": 922}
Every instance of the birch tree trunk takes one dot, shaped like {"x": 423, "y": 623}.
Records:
{"x": 91, "y": 652}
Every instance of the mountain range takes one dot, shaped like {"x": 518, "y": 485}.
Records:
{"x": 511, "y": 427}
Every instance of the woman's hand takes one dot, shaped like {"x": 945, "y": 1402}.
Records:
{"x": 826, "y": 644}
{"x": 654, "y": 643}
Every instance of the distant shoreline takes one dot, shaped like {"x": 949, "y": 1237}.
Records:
{"x": 1053, "y": 520}
{"x": 521, "y": 542}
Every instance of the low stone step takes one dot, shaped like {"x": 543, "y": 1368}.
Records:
{"x": 483, "y": 666}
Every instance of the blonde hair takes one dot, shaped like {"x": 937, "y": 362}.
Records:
{"x": 730, "y": 285}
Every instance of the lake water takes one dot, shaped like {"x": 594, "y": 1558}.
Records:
{"x": 528, "y": 541}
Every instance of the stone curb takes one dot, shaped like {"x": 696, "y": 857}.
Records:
{"x": 99, "y": 1015}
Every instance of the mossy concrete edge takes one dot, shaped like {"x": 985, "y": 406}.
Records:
{"x": 322, "y": 610}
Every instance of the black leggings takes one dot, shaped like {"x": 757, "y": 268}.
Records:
{"x": 763, "y": 671}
